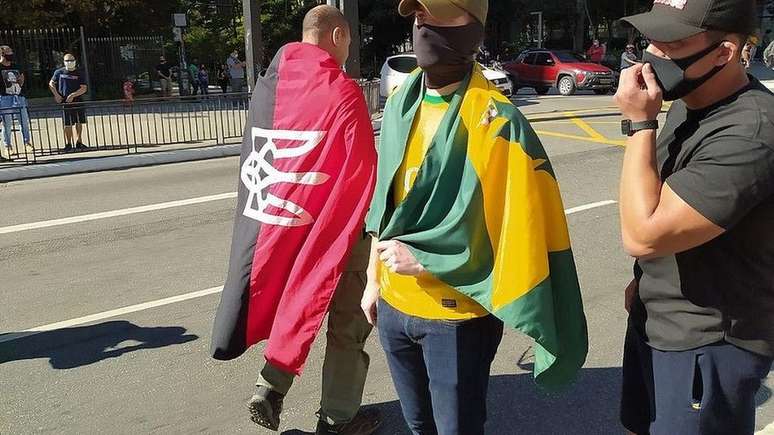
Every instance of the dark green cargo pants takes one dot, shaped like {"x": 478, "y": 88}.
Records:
{"x": 346, "y": 363}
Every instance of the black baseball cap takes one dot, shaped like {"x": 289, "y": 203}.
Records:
{"x": 673, "y": 20}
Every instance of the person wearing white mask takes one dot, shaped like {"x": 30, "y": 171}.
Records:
{"x": 236, "y": 70}
{"x": 68, "y": 85}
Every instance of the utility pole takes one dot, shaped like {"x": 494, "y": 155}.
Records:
{"x": 181, "y": 22}
{"x": 352, "y": 14}
{"x": 85, "y": 63}
{"x": 350, "y": 10}
{"x": 539, "y": 38}
{"x": 580, "y": 26}
{"x": 253, "y": 40}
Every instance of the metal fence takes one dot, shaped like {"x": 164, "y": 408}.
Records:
{"x": 371, "y": 92}
{"x": 121, "y": 125}
{"x": 105, "y": 60}
{"x": 114, "y": 59}
{"x": 39, "y": 52}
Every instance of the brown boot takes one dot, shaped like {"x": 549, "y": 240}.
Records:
{"x": 364, "y": 423}
{"x": 265, "y": 408}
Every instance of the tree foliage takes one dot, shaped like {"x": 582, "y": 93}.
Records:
{"x": 502, "y": 15}
{"x": 383, "y": 33}
{"x": 216, "y": 28}
{"x": 98, "y": 17}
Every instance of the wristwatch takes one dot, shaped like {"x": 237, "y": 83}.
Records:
{"x": 628, "y": 128}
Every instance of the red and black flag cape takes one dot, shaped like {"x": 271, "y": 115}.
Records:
{"x": 307, "y": 174}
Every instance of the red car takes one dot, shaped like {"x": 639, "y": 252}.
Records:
{"x": 544, "y": 69}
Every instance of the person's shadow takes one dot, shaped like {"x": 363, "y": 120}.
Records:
{"x": 80, "y": 346}
{"x": 517, "y": 406}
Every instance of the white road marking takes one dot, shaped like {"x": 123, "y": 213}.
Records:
{"x": 180, "y": 298}
{"x": 581, "y": 208}
{"x": 768, "y": 430}
{"x": 114, "y": 213}
{"x": 112, "y": 313}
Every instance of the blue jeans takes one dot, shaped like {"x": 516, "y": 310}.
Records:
{"x": 703, "y": 391}
{"x": 19, "y": 104}
{"x": 440, "y": 369}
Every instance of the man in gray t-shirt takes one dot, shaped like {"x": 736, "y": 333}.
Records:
{"x": 628, "y": 57}
{"x": 236, "y": 70}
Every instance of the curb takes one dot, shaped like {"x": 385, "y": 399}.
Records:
{"x": 117, "y": 162}
{"x": 127, "y": 161}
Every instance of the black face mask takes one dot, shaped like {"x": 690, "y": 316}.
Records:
{"x": 446, "y": 54}
{"x": 670, "y": 73}
{"x": 8, "y": 57}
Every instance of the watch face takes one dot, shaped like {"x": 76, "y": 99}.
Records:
{"x": 626, "y": 127}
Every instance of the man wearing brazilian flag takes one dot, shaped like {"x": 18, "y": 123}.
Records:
{"x": 470, "y": 232}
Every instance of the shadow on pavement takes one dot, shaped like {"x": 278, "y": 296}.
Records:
{"x": 761, "y": 71}
{"x": 392, "y": 420}
{"x": 763, "y": 396}
{"x": 517, "y": 406}
{"x": 80, "y": 346}
{"x": 562, "y": 117}
{"x": 523, "y": 100}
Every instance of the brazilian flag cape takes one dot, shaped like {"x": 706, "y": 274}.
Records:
{"x": 485, "y": 216}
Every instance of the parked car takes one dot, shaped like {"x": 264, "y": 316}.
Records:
{"x": 544, "y": 69}
{"x": 397, "y": 68}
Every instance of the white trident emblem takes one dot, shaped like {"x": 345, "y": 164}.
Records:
{"x": 258, "y": 174}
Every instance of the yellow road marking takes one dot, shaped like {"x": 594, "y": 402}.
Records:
{"x": 589, "y": 110}
{"x": 566, "y": 121}
{"x": 614, "y": 111}
{"x": 603, "y": 140}
{"x": 584, "y": 126}
{"x": 552, "y": 115}
{"x": 571, "y": 117}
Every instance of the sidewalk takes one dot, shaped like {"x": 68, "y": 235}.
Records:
{"x": 111, "y": 160}
{"x": 95, "y": 161}
{"x": 106, "y": 160}
{"x": 760, "y": 71}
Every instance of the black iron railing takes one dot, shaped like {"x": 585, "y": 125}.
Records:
{"x": 122, "y": 125}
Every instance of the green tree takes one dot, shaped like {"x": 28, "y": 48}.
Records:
{"x": 98, "y": 17}
{"x": 502, "y": 16}
{"x": 384, "y": 33}
{"x": 212, "y": 32}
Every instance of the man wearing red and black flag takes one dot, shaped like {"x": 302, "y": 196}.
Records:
{"x": 299, "y": 250}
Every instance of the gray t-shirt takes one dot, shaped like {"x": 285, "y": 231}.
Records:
{"x": 630, "y": 56}
{"x": 10, "y": 80}
{"x": 719, "y": 160}
{"x": 235, "y": 69}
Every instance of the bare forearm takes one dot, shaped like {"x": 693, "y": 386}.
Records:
{"x": 640, "y": 189}
{"x": 54, "y": 90}
{"x": 82, "y": 90}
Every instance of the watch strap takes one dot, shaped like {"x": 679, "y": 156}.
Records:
{"x": 628, "y": 128}
{"x": 645, "y": 125}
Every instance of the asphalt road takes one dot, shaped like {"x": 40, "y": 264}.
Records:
{"x": 146, "y": 369}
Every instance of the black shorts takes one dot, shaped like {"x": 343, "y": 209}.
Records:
{"x": 74, "y": 114}
{"x": 708, "y": 390}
